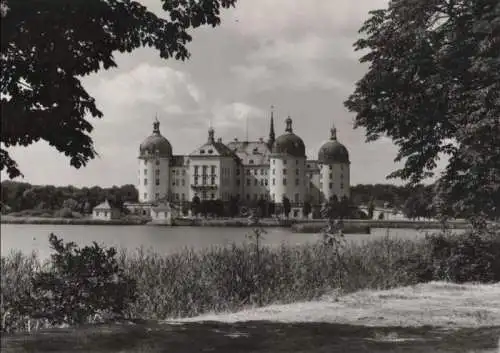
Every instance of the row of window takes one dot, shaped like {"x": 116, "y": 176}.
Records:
{"x": 204, "y": 169}
{"x": 330, "y": 176}
{"x": 285, "y": 161}
{"x": 330, "y": 185}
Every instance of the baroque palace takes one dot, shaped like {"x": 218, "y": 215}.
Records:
{"x": 246, "y": 170}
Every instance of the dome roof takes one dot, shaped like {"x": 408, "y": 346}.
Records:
{"x": 289, "y": 143}
{"x": 156, "y": 144}
{"x": 333, "y": 151}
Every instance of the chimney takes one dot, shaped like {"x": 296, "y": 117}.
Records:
{"x": 219, "y": 140}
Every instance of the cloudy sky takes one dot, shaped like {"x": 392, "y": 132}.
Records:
{"x": 296, "y": 55}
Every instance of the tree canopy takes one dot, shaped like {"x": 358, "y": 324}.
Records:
{"x": 47, "y": 46}
{"x": 433, "y": 87}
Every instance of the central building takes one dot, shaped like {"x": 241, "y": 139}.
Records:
{"x": 247, "y": 171}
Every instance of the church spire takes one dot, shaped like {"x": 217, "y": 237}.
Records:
{"x": 272, "y": 135}
{"x": 211, "y": 135}
{"x": 288, "y": 123}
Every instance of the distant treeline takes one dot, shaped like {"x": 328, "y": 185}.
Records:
{"x": 19, "y": 196}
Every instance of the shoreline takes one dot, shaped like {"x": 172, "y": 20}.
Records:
{"x": 297, "y": 226}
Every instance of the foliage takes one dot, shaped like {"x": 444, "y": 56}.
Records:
{"x": 433, "y": 87}
{"x": 233, "y": 277}
{"x": 287, "y": 206}
{"x": 24, "y": 196}
{"x": 195, "y": 205}
{"x": 306, "y": 209}
{"x": 47, "y": 46}
{"x": 79, "y": 283}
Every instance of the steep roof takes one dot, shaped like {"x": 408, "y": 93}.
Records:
{"x": 104, "y": 206}
{"x": 256, "y": 151}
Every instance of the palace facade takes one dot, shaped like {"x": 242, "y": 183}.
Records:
{"x": 269, "y": 169}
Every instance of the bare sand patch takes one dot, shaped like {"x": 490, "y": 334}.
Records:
{"x": 437, "y": 304}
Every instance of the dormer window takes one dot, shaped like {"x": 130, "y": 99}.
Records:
{"x": 202, "y": 151}
{"x": 250, "y": 161}
{"x": 255, "y": 150}
{"x": 210, "y": 151}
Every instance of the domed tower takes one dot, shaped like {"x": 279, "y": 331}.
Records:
{"x": 334, "y": 168}
{"x": 287, "y": 168}
{"x": 155, "y": 153}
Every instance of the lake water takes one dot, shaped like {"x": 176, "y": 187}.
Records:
{"x": 164, "y": 240}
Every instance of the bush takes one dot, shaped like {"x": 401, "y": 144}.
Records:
{"x": 64, "y": 213}
{"x": 77, "y": 284}
{"x": 470, "y": 257}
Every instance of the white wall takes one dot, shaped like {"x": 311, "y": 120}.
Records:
{"x": 179, "y": 184}
{"x": 335, "y": 180}
{"x": 148, "y": 190}
{"x": 295, "y": 170}
{"x": 208, "y": 162}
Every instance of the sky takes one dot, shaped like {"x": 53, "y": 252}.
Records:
{"x": 293, "y": 54}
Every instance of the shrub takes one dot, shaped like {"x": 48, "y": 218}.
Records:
{"x": 77, "y": 284}
{"x": 64, "y": 213}
{"x": 470, "y": 257}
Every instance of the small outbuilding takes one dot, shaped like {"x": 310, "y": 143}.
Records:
{"x": 105, "y": 211}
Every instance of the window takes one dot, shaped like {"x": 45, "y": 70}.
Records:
{"x": 237, "y": 171}
{"x": 212, "y": 170}
{"x": 261, "y": 182}
{"x": 341, "y": 185}
{"x": 273, "y": 171}
{"x": 238, "y": 182}
{"x": 210, "y": 151}
{"x": 297, "y": 181}
{"x": 330, "y": 176}
{"x": 284, "y": 161}
{"x": 157, "y": 182}
{"x": 265, "y": 181}
{"x": 274, "y": 181}
{"x": 248, "y": 196}
{"x": 177, "y": 172}
{"x": 250, "y": 161}
{"x": 183, "y": 182}
{"x": 297, "y": 197}
{"x": 330, "y": 185}
{"x": 212, "y": 180}
{"x": 183, "y": 197}
{"x": 203, "y": 195}
{"x": 145, "y": 172}
{"x": 157, "y": 196}
{"x": 196, "y": 168}
{"x": 105, "y": 213}
{"x": 173, "y": 171}
{"x": 284, "y": 181}
{"x": 248, "y": 182}
{"x": 145, "y": 162}
{"x": 145, "y": 181}
{"x": 202, "y": 151}
{"x": 157, "y": 162}
{"x": 284, "y": 171}
{"x": 297, "y": 162}
{"x": 183, "y": 172}
{"x": 145, "y": 195}
{"x": 341, "y": 176}
{"x": 248, "y": 171}
{"x": 173, "y": 182}
{"x": 296, "y": 171}
{"x": 331, "y": 167}
{"x": 195, "y": 180}
{"x": 255, "y": 196}
{"x": 256, "y": 182}
{"x": 157, "y": 172}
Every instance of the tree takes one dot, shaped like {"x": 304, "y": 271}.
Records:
{"x": 47, "y": 46}
{"x": 306, "y": 209}
{"x": 287, "y": 207}
{"x": 433, "y": 87}
{"x": 195, "y": 205}
{"x": 371, "y": 208}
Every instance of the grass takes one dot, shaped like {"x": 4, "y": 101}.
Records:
{"x": 223, "y": 279}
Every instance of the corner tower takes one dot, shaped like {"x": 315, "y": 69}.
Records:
{"x": 334, "y": 168}
{"x": 155, "y": 153}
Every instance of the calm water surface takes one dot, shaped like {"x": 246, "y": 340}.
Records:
{"x": 34, "y": 237}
